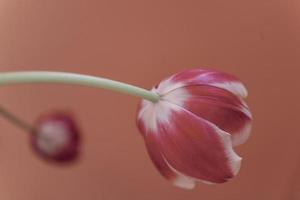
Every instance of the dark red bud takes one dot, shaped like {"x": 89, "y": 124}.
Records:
{"x": 56, "y": 137}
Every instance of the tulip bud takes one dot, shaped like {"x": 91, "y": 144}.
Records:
{"x": 190, "y": 132}
{"x": 56, "y": 138}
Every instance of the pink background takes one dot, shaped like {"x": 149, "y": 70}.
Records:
{"x": 141, "y": 42}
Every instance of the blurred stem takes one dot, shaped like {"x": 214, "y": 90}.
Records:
{"x": 8, "y": 78}
{"x": 15, "y": 120}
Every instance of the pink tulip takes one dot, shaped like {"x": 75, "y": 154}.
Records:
{"x": 56, "y": 137}
{"x": 190, "y": 132}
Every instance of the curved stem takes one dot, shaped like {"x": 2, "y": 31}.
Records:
{"x": 8, "y": 78}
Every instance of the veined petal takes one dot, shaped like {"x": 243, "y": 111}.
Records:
{"x": 163, "y": 167}
{"x": 193, "y": 146}
{"x": 197, "y": 148}
{"x": 203, "y": 77}
{"x": 218, "y": 106}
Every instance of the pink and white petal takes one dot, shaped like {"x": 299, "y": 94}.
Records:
{"x": 147, "y": 124}
{"x": 141, "y": 110}
{"x": 227, "y": 118}
{"x": 163, "y": 167}
{"x": 203, "y": 77}
{"x": 218, "y": 106}
{"x": 178, "y": 80}
{"x": 197, "y": 148}
{"x": 218, "y": 79}
{"x": 151, "y": 113}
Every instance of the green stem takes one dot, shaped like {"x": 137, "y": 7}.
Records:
{"x": 15, "y": 120}
{"x": 8, "y": 78}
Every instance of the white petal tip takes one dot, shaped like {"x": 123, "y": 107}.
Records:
{"x": 236, "y": 88}
{"x": 184, "y": 182}
{"x": 236, "y": 164}
{"x": 208, "y": 183}
{"x": 234, "y": 160}
{"x": 242, "y": 136}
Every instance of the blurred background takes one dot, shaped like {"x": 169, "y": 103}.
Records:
{"x": 141, "y": 42}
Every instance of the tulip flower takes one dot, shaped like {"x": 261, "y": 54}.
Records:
{"x": 190, "y": 132}
{"x": 56, "y": 137}
{"x": 190, "y": 122}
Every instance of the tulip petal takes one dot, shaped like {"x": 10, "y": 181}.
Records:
{"x": 193, "y": 146}
{"x": 218, "y": 106}
{"x": 203, "y": 77}
{"x": 197, "y": 148}
{"x": 163, "y": 167}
